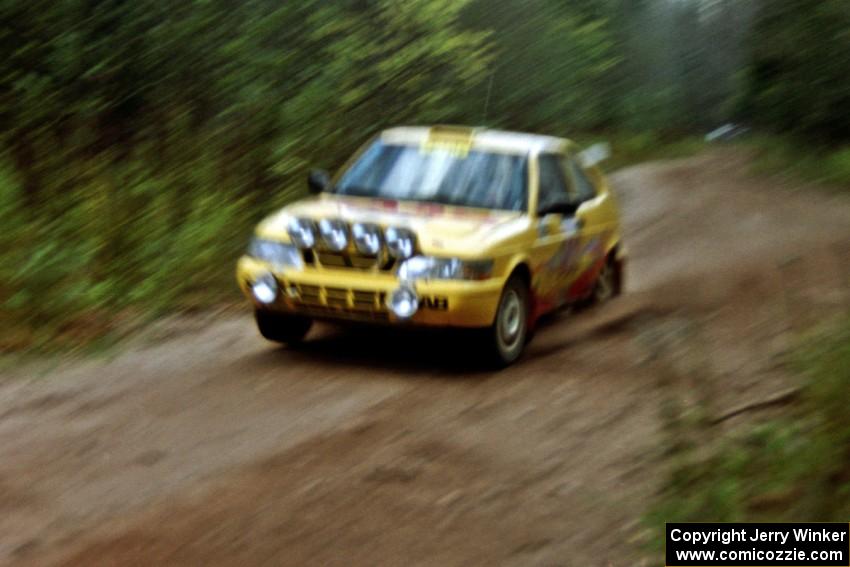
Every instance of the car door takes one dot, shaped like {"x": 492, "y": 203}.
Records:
{"x": 558, "y": 234}
{"x": 591, "y": 219}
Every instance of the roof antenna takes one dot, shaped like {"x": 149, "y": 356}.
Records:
{"x": 487, "y": 100}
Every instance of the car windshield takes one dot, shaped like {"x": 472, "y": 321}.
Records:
{"x": 409, "y": 173}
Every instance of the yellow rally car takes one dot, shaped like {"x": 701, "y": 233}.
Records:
{"x": 442, "y": 226}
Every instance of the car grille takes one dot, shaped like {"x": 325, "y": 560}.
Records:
{"x": 342, "y": 302}
{"x": 349, "y": 260}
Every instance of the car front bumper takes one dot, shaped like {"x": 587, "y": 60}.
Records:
{"x": 354, "y": 295}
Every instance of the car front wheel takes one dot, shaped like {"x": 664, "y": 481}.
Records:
{"x": 280, "y": 328}
{"x": 505, "y": 339}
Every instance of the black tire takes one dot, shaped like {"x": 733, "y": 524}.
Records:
{"x": 504, "y": 341}
{"x": 280, "y": 328}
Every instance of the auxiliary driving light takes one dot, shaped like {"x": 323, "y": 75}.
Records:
{"x": 367, "y": 238}
{"x": 264, "y": 289}
{"x": 403, "y": 302}
{"x": 400, "y": 242}
{"x": 334, "y": 234}
{"x": 302, "y": 232}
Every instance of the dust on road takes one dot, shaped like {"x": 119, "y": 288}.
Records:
{"x": 214, "y": 447}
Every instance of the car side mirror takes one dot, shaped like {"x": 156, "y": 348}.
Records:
{"x": 318, "y": 180}
{"x": 550, "y": 224}
{"x": 554, "y": 223}
{"x": 595, "y": 154}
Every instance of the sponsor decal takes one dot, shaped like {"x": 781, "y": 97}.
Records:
{"x": 436, "y": 303}
{"x": 457, "y": 147}
{"x": 413, "y": 209}
{"x": 566, "y": 263}
{"x": 565, "y": 256}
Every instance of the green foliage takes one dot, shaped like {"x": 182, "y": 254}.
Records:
{"x": 549, "y": 67}
{"x": 629, "y": 148}
{"x": 118, "y": 241}
{"x": 797, "y": 79}
{"x": 827, "y": 165}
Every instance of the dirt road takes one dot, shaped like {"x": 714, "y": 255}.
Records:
{"x": 212, "y": 447}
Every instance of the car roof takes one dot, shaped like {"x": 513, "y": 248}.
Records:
{"x": 480, "y": 138}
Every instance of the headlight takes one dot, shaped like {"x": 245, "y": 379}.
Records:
{"x": 277, "y": 254}
{"x": 334, "y": 234}
{"x": 264, "y": 289}
{"x": 431, "y": 268}
{"x": 403, "y": 302}
{"x": 367, "y": 238}
{"x": 400, "y": 242}
{"x": 302, "y": 232}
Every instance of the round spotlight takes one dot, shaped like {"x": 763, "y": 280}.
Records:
{"x": 264, "y": 289}
{"x": 367, "y": 238}
{"x": 403, "y": 302}
{"x": 302, "y": 232}
{"x": 334, "y": 234}
{"x": 400, "y": 242}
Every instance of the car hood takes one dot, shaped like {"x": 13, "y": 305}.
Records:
{"x": 439, "y": 228}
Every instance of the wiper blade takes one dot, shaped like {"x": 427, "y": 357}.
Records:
{"x": 356, "y": 191}
{"x": 446, "y": 200}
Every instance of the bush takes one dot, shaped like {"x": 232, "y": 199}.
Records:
{"x": 796, "y": 158}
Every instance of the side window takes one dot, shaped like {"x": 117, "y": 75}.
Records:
{"x": 553, "y": 185}
{"x": 585, "y": 190}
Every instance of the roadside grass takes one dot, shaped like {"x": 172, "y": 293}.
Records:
{"x": 127, "y": 246}
{"x": 777, "y": 155}
{"x": 792, "y": 468}
{"x": 630, "y": 148}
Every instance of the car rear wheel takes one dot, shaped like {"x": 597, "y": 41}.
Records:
{"x": 505, "y": 339}
{"x": 281, "y": 328}
{"x": 606, "y": 282}
{"x": 607, "y": 285}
